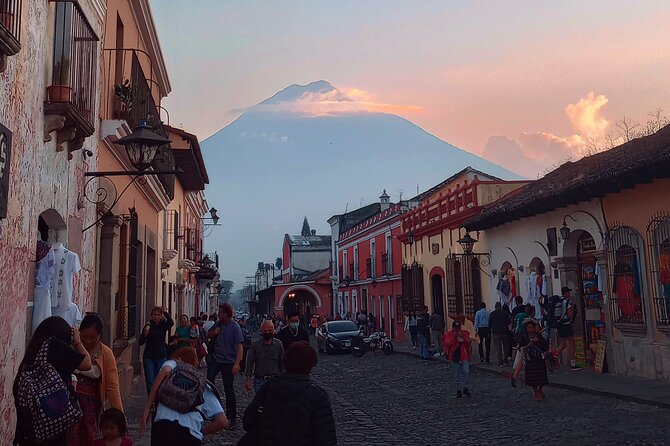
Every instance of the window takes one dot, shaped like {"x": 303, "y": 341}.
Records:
{"x": 344, "y": 265}
{"x": 624, "y": 248}
{"x": 10, "y": 30}
{"x": 389, "y": 254}
{"x": 355, "y": 273}
{"x": 658, "y": 234}
{"x": 373, "y": 260}
{"x": 73, "y": 81}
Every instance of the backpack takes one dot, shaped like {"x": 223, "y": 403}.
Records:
{"x": 45, "y": 404}
{"x": 554, "y": 311}
{"x": 183, "y": 390}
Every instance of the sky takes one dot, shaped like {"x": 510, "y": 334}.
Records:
{"x": 525, "y": 84}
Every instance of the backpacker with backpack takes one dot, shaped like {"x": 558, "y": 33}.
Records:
{"x": 46, "y": 406}
{"x": 557, "y": 311}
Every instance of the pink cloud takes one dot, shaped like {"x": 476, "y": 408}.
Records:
{"x": 533, "y": 153}
{"x": 338, "y": 101}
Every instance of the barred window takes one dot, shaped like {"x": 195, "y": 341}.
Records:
{"x": 626, "y": 276}
{"x": 658, "y": 234}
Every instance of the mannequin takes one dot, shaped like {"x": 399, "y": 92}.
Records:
{"x": 67, "y": 264}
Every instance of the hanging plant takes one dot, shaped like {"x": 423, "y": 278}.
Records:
{"x": 124, "y": 93}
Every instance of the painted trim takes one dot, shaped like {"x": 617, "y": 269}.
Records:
{"x": 280, "y": 304}
{"x": 354, "y": 241}
{"x": 437, "y": 270}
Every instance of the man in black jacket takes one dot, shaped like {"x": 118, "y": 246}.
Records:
{"x": 290, "y": 409}
{"x": 499, "y": 325}
{"x": 293, "y": 332}
{"x": 423, "y": 328}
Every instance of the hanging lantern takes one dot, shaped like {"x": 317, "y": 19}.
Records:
{"x": 142, "y": 145}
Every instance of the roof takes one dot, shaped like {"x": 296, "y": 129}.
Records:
{"x": 483, "y": 176}
{"x": 312, "y": 240}
{"x": 194, "y": 173}
{"x": 638, "y": 161}
{"x": 353, "y": 218}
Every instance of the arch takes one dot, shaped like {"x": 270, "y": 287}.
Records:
{"x": 52, "y": 226}
{"x": 437, "y": 271}
{"x": 505, "y": 267}
{"x": 296, "y": 288}
{"x": 538, "y": 265}
{"x": 437, "y": 292}
{"x": 571, "y": 245}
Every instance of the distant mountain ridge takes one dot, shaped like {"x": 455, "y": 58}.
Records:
{"x": 273, "y": 165}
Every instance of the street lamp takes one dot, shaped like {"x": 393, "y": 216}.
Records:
{"x": 467, "y": 243}
{"x": 207, "y": 262}
{"x": 142, "y": 145}
{"x": 214, "y": 216}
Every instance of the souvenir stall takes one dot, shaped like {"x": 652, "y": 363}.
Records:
{"x": 592, "y": 308}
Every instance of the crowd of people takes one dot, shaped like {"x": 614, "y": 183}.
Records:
{"x": 67, "y": 389}
{"x": 519, "y": 337}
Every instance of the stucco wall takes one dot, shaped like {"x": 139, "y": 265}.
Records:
{"x": 647, "y": 354}
{"x": 40, "y": 179}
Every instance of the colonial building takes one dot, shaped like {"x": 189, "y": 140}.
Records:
{"x": 600, "y": 226}
{"x": 366, "y": 271}
{"x": 438, "y": 271}
{"x": 305, "y": 277}
{"x": 188, "y": 274}
{"x": 50, "y": 67}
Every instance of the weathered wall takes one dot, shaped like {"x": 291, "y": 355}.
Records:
{"x": 41, "y": 179}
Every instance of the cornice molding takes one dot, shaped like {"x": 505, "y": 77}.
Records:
{"x": 147, "y": 28}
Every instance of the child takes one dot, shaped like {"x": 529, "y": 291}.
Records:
{"x": 114, "y": 429}
{"x": 194, "y": 332}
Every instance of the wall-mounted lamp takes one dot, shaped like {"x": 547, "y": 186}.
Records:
{"x": 214, "y": 217}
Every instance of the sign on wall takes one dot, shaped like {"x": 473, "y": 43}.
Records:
{"x": 5, "y": 156}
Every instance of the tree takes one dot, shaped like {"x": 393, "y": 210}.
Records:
{"x": 226, "y": 286}
{"x": 278, "y": 263}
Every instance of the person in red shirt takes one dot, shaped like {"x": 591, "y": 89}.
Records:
{"x": 458, "y": 348}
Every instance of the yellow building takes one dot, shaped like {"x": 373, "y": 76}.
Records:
{"x": 435, "y": 272}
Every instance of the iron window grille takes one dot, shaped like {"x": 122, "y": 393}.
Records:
{"x": 626, "y": 275}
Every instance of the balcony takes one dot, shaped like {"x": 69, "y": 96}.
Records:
{"x": 171, "y": 235}
{"x": 10, "y": 30}
{"x": 130, "y": 95}
{"x": 209, "y": 266}
{"x": 70, "y": 108}
{"x": 448, "y": 211}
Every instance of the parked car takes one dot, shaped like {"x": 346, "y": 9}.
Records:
{"x": 336, "y": 336}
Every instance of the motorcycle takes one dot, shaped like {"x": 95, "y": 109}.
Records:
{"x": 374, "y": 342}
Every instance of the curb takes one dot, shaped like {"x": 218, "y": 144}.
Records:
{"x": 603, "y": 393}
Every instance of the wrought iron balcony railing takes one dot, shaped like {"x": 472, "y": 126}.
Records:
{"x": 10, "y": 30}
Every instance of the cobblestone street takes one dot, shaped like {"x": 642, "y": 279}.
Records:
{"x": 402, "y": 400}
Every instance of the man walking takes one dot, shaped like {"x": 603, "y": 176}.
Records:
{"x": 293, "y": 332}
{"x": 458, "y": 347}
{"x": 362, "y": 320}
{"x": 423, "y": 329}
{"x": 265, "y": 359}
{"x": 482, "y": 327}
{"x": 499, "y": 325}
{"x": 437, "y": 331}
{"x": 565, "y": 314}
{"x": 227, "y": 339}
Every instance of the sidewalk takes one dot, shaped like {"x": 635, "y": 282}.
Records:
{"x": 637, "y": 390}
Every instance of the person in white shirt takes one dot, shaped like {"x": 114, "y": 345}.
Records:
{"x": 172, "y": 427}
{"x": 482, "y": 317}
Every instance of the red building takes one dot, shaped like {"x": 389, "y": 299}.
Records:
{"x": 305, "y": 277}
{"x": 366, "y": 272}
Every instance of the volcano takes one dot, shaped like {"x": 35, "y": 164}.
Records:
{"x": 310, "y": 151}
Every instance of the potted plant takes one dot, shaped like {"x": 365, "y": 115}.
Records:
{"x": 123, "y": 92}
{"x": 60, "y": 91}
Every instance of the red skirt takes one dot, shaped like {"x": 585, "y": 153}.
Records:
{"x": 85, "y": 432}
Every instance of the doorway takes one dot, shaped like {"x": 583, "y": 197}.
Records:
{"x": 437, "y": 294}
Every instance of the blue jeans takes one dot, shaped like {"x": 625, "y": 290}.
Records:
{"x": 151, "y": 369}
{"x": 461, "y": 370}
{"x": 258, "y": 383}
{"x": 423, "y": 347}
{"x": 213, "y": 369}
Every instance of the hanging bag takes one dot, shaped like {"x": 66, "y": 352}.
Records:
{"x": 46, "y": 405}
